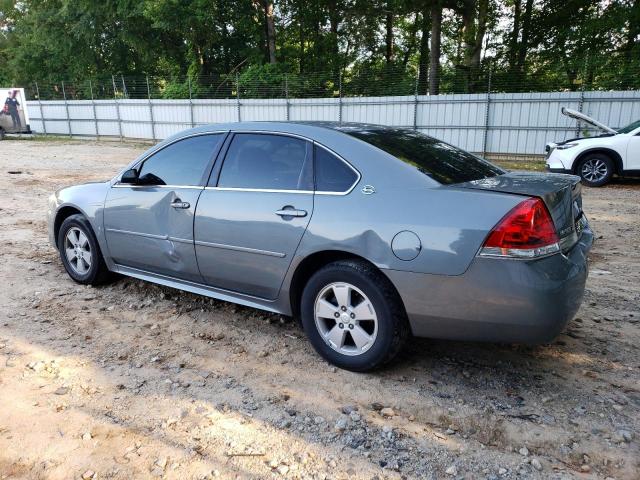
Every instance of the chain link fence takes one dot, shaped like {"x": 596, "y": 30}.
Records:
{"x": 491, "y": 112}
{"x": 265, "y": 83}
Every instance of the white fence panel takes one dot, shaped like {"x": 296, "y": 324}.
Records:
{"x": 215, "y": 111}
{"x": 314, "y": 109}
{"x": 498, "y": 123}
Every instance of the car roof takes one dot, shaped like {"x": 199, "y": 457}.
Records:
{"x": 298, "y": 127}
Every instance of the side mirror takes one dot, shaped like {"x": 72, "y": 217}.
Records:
{"x": 130, "y": 176}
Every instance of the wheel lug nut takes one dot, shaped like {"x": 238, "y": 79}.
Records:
{"x": 341, "y": 325}
{"x": 351, "y": 326}
{"x": 353, "y": 315}
{"x": 336, "y": 314}
{"x": 343, "y": 308}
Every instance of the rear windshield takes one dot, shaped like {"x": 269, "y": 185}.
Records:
{"x": 440, "y": 161}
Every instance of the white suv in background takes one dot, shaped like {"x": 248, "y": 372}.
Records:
{"x": 596, "y": 159}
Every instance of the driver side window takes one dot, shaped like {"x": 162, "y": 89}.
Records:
{"x": 182, "y": 163}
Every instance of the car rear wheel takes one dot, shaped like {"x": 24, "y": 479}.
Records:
{"x": 353, "y": 316}
{"x": 80, "y": 252}
{"x": 596, "y": 169}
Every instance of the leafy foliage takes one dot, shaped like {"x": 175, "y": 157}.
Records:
{"x": 263, "y": 48}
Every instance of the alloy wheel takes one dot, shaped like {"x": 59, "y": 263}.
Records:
{"x": 594, "y": 170}
{"x": 345, "y": 319}
{"x": 78, "y": 250}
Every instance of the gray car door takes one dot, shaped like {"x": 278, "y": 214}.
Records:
{"x": 251, "y": 218}
{"x": 149, "y": 225}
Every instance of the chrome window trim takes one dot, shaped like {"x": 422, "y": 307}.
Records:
{"x": 117, "y": 183}
{"x": 128, "y": 185}
{"x": 354, "y": 169}
{"x": 116, "y": 180}
{"x": 302, "y": 137}
{"x": 262, "y": 190}
{"x": 271, "y": 132}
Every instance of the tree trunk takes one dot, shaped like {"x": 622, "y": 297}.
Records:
{"x": 524, "y": 42}
{"x": 411, "y": 44}
{"x": 634, "y": 31}
{"x": 271, "y": 30}
{"x": 436, "y": 30}
{"x": 515, "y": 35}
{"x": 334, "y": 22}
{"x": 423, "y": 65}
{"x": 389, "y": 35}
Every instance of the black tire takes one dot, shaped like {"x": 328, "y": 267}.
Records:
{"x": 604, "y": 169}
{"x": 97, "y": 273}
{"x": 1, "y": 134}
{"x": 392, "y": 330}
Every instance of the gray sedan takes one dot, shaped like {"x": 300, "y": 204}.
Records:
{"x": 367, "y": 234}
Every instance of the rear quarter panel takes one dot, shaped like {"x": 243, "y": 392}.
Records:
{"x": 451, "y": 224}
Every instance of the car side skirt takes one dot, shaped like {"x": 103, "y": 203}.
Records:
{"x": 200, "y": 289}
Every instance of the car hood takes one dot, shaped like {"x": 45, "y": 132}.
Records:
{"x": 560, "y": 193}
{"x": 587, "y": 119}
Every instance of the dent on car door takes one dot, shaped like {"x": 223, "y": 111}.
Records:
{"x": 149, "y": 225}
{"x": 250, "y": 220}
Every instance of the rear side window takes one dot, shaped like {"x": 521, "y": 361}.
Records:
{"x": 266, "y": 161}
{"x": 182, "y": 163}
{"x": 332, "y": 174}
{"x": 444, "y": 163}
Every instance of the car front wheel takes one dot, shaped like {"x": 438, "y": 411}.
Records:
{"x": 595, "y": 169}
{"x": 80, "y": 252}
{"x": 353, "y": 316}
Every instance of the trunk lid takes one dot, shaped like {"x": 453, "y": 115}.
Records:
{"x": 562, "y": 194}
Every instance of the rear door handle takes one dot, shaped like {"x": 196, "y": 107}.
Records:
{"x": 180, "y": 204}
{"x": 291, "y": 212}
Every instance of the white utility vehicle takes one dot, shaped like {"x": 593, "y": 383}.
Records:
{"x": 596, "y": 159}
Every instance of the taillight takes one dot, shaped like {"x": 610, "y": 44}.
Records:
{"x": 527, "y": 231}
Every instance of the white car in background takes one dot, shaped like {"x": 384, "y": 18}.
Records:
{"x": 596, "y": 159}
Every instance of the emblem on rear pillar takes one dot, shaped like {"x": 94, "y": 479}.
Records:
{"x": 368, "y": 189}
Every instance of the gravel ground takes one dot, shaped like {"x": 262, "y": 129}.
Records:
{"x": 135, "y": 380}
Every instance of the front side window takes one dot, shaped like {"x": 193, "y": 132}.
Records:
{"x": 182, "y": 163}
{"x": 444, "y": 163}
{"x": 267, "y": 161}
{"x": 332, "y": 174}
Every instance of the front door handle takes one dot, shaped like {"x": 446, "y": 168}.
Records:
{"x": 291, "y": 212}
{"x": 180, "y": 204}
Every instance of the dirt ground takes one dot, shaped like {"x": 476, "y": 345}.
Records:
{"x": 132, "y": 380}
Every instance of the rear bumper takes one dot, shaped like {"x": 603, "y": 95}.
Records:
{"x": 498, "y": 300}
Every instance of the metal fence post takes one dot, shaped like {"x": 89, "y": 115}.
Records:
{"x": 44, "y": 118}
{"x": 580, "y": 107}
{"x": 286, "y": 93}
{"x": 415, "y": 102}
{"x": 153, "y": 125}
{"x": 66, "y": 107}
{"x": 125, "y": 94}
{"x": 486, "y": 116}
{"x": 190, "y": 102}
{"x": 340, "y": 97}
{"x": 113, "y": 80}
{"x": 95, "y": 113}
{"x": 238, "y": 96}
